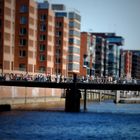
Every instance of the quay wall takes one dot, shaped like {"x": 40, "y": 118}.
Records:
{"x": 23, "y": 95}
{"x": 130, "y": 100}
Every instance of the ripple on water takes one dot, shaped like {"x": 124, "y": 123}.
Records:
{"x": 111, "y": 122}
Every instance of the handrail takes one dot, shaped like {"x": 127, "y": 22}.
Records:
{"x": 100, "y": 86}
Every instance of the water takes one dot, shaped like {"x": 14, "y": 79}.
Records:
{"x": 101, "y": 121}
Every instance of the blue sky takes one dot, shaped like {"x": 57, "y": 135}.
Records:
{"x": 120, "y": 16}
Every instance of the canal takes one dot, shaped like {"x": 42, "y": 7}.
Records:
{"x": 104, "y": 120}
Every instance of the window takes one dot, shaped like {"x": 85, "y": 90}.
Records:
{"x": 44, "y": 5}
{"x": 22, "y": 67}
{"x": 58, "y": 33}
{"x": 58, "y": 60}
{"x": 59, "y": 24}
{"x": 42, "y": 47}
{"x": 43, "y": 17}
{"x": 0, "y": 37}
{"x": 0, "y": 22}
{"x": 74, "y": 58}
{"x": 57, "y": 71}
{"x": 43, "y": 27}
{"x": 22, "y": 53}
{"x": 0, "y": 40}
{"x": 73, "y": 24}
{"x": 62, "y": 14}
{"x": 74, "y": 41}
{"x": 22, "y": 42}
{"x": 58, "y": 52}
{"x": 42, "y": 69}
{"x": 58, "y": 42}
{"x": 73, "y": 15}
{"x": 73, "y": 67}
{"x": 42, "y": 37}
{"x": 75, "y": 33}
{"x": 71, "y": 40}
{"x": 74, "y": 49}
{"x": 23, "y": 20}
{"x": 23, "y": 8}
{"x": 23, "y": 31}
{"x": 42, "y": 57}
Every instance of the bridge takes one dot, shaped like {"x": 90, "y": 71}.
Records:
{"x": 72, "y": 102}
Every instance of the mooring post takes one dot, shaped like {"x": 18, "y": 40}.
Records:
{"x": 25, "y": 95}
{"x": 117, "y": 98}
{"x": 100, "y": 96}
{"x": 85, "y": 99}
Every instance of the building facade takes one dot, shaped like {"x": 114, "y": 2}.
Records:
{"x": 135, "y": 64}
{"x": 74, "y": 43}
{"x": 114, "y": 54}
{"x": 99, "y": 56}
{"x": 43, "y": 38}
{"x": 46, "y": 34}
{"x": 122, "y": 64}
{"x": 7, "y": 35}
{"x": 61, "y": 45}
{"x": 74, "y": 36}
{"x": 33, "y": 38}
{"x": 126, "y": 63}
{"x": 87, "y": 54}
{"x": 111, "y": 53}
{"x": 25, "y": 36}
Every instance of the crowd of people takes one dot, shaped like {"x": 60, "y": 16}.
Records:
{"x": 57, "y": 78}
{"x": 27, "y": 77}
{"x": 49, "y": 78}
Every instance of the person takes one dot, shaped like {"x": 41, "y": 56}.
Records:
{"x": 7, "y": 77}
{"x": 2, "y": 78}
{"x": 58, "y": 78}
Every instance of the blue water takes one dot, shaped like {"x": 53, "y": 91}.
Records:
{"x": 101, "y": 121}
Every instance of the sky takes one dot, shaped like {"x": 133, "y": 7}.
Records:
{"x": 119, "y": 16}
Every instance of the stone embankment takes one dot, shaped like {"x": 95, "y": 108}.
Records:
{"x": 46, "y": 106}
{"x": 54, "y": 104}
{"x": 130, "y": 100}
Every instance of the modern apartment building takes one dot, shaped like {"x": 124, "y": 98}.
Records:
{"x": 25, "y": 36}
{"x": 135, "y": 64}
{"x": 122, "y": 64}
{"x": 74, "y": 36}
{"x": 126, "y": 60}
{"x": 112, "y": 53}
{"x": 74, "y": 43}
{"x": 7, "y": 35}
{"x": 99, "y": 56}
{"x": 45, "y": 37}
{"x": 32, "y": 38}
{"x": 52, "y": 40}
{"x": 61, "y": 45}
{"x": 87, "y": 54}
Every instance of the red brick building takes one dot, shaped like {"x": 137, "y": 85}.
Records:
{"x": 45, "y": 38}
{"x": 7, "y": 35}
{"x": 25, "y": 36}
{"x": 127, "y": 62}
{"x": 61, "y": 46}
{"x": 87, "y": 54}
{"x": 34, "y": 40}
